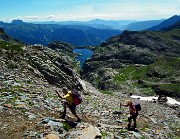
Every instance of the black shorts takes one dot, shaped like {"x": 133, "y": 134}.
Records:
{"x": 72, "y": 108}
{"x": 134, "y": 116}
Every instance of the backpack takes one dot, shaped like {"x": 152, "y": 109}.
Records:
{"x": 77, "y": 99}
{"x": 138, "y": 107}
{"x": 137, "y": 104}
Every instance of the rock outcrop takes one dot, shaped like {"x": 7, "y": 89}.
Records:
{"x": 131, "y": 56}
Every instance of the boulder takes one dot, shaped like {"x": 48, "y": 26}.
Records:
{"x": 51, "y": 136}
{"x": 90, "y": 133}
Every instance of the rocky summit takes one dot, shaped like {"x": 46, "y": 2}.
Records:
{"x": 30, "y": 108}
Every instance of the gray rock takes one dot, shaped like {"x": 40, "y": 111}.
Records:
{"x": 90, "y": 133}
{"x": 137, "y": 135}
{"x": 51, "y": 136}
{"x": 55, "y": 125}
{"x": 32, "y": 134}
{"x": 32, "y": 116}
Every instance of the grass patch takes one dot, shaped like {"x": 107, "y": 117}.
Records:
{"x": 129, "y": 73}
{"x": 66, "y": 126}
{"x": 143, "y": 125}
{"x": 10, "y": 46}
{"x": 170, "y": 89}
{"x": 124, "y": 74}
{"x": 106, "y": 92}
{"x": 96, "y": 81}
{"x": 164, "y": 74}
{"x": 104, "y": 134}
{"x": 147, "y": 90}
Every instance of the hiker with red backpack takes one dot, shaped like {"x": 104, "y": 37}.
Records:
{"x": 72, "y": 99}
{"x": 133, "y": 114}
{"x": 134, "y": 107}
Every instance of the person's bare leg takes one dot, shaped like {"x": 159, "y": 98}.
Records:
{"x": 64, "y": 112}
{"x": 129, "y": 123}
{"x": 78, "y": 119}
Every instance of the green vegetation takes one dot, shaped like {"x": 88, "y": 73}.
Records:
{"x": 10, "y": 46}
{"x": 95, "y": 81}
{"x": 106, "y": 92}
{"x": 104, "y": 135}
{"x": 129, "y": 73}
{"x": 162, "y": 75}
{"x": 66, "y": 126}
{"x": 167, "y": 37}
{"x": 170, "y": 87}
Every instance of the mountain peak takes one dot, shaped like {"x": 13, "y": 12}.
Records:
{"x": 166, "y": 23}
{"x": 17, "y": 22}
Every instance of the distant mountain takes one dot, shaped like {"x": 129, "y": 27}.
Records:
{"x": 17, "y": 22}
{"x": 77, "y": 35}
{"x": 141, "y": 25}
{"x": 96, "y": 23}
{"x": 131, "y": 25}
{"x": 174, "y": 26}
{"x": 172, "y": 20}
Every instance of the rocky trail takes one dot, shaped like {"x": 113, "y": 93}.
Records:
{"x": 30, "y": 110}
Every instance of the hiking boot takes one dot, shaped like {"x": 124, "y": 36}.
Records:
{"x": 62, "y": 116}
{"x": 136, "y": 130}
{"x": 128, "y": 127}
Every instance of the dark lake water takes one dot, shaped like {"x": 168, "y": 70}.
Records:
{"x": 84, "y": 55}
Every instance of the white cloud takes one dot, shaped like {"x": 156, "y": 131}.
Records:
{"x": 49, "y": 16}
{"x": 31, "y": 17}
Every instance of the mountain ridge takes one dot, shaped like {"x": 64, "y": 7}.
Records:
{"x": 134, "y": 51}
{"x": 44, "y": 34}
{"x": 168, "y": 22}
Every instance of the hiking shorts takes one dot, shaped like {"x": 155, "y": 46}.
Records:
{"x": 133, "y": 117}
{"x": 72, "y": 108}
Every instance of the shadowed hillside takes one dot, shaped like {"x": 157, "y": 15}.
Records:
{"x": 78, "y": 35}
{"x": 124, "y": 62}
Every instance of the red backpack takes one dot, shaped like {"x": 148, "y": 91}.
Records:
{"x": 77, "y": 99}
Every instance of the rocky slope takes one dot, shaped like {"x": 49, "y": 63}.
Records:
{"x": 29, "y": 106}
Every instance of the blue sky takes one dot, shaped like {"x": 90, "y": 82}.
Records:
{"x": 61, "y": 10}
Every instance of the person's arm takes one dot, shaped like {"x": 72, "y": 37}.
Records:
{"x": 126, "y": 105}
{"x": 59, "y": 95}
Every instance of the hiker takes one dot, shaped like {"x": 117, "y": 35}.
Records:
{"x": 133, "y": 113}
{"x": 68, "y": 102}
